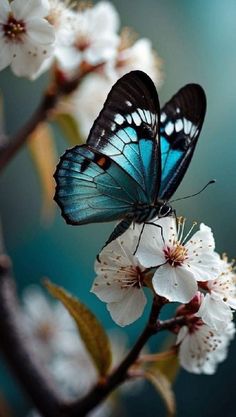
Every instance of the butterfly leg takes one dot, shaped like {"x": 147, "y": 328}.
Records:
{"x": 139, "y": 238}
{"x": 119, "y": 230}
{"x": 160, "y": 227}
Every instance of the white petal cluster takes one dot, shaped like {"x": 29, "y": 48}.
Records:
{"x": 119, "y": 281}
{"x": 26, "y": 37}
{"x": 181, "y": 268}
{"x": 178, "y": 262}
{"x": 201, "y": 348}
{"x": 92, "y": 37}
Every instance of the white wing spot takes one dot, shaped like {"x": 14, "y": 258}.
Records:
{"x": 148, "y": 116}
{"x": 113, "y": 127}
{"x": 129, "y": 119}
{"x": 179, "y": 125}
{"x": 187, "y": 126}
{"x": 136, "y": 118}
{"x": 119, "y": 119}
{"x": 163, "y": 117}
{"x": 169, "y": 128}
{"x": 128, "y": 103}
{"x": 178, "y": 110}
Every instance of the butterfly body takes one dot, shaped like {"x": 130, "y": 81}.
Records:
{"x": 134, "y": 158}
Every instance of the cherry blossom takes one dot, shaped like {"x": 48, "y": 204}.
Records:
{"x": 180, "y": 261}
{"x": 120, "y": 279}
{"x": 26, "y": 37}
{"x": 217, "y": 305}
{"x": 201, "y": 348}
{"x": 46, "y": 324}
{"x": 137, "y": 56}
{"x": 92, "y": 37}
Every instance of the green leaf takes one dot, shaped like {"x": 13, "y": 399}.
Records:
{"x": 91, "y": 331}
{"x": 168, "y": 367}
{"x": 43, "y": 152}
{"x": 163, "y": 386}
{"x": 69, "y": 127}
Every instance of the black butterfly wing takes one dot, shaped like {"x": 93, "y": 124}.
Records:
{"x": 126, "y": 130}
{"x": 180, "y": 125}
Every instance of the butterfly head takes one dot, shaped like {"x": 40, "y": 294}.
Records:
{"x": 165, "y": 209}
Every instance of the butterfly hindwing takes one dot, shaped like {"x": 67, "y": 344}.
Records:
{"x": 91, "y": 187}
{"x": 126, "y": 130}
{"x": 180, "y": 125}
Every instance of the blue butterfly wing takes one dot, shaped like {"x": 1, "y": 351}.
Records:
{"x": 127, "y": 129}
{"x": 180, "y": 125}
{"x": 93, "y": 188}
{"x": 118, "y": 168}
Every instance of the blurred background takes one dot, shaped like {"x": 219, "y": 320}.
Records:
{"x": 196, "y": 41}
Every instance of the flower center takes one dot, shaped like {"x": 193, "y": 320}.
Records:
{"x": 14, "y": 29}
{"x": 82, "y": 43}
{"x": 176, "y": 255}
{"x": 134, "y": 277}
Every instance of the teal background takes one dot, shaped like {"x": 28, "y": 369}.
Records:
{"x": 197, "y": 42}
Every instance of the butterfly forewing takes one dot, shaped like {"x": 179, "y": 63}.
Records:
{"x": 180, "y": 125}
{"x": 93, "y": 188}
{"x": 126, "y": 130}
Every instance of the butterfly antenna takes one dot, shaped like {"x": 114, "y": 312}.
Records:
{"x": 193, "y": 195}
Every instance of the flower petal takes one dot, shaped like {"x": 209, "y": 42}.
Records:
{"x": 29, "y": 8}
{"x": 129, "y": 309}
{"x": 4, "y": 11}
{"x": 154, "y": 239}
{"x": 6, "y": 54}
{"x": 28, "y": 59}
{"x": 175, "y": 284}
{"x": 40, "y": 31}
{"x": 215, "y": 312}
{"x": 104, "y": 12}
{"x": 204, "y": 267}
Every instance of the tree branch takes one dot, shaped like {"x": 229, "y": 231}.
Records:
{"x": 32, "y": 376}
{"x": 106, "y": 386}
{"x": 49, "y": 101}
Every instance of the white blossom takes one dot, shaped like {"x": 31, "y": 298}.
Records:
{"x": 201, "y": 348}
{"x": 119, "y": 280}
{"x": 92, "y": 39}
{"x": 216, "y": 307}
{"x": 26, "y": 37}
{"x": 139, "y": 56}
{"x": 87, "y": 101}
{"x": 46, "y": 324}
{"x": 179, "y": 261}
{"x": 62, "y": 18}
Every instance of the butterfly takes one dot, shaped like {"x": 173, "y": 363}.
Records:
{"x": 135, "y": 156}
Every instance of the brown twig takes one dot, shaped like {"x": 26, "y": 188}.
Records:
{"x": 105, "y": 387}
{"x": 60, "y": 87}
